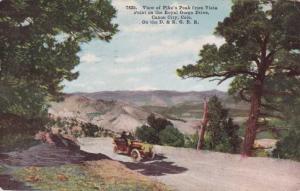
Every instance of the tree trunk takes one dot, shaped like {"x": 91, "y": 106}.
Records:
{"x": 252, "y": 126}
{"x": 201, "y": 130}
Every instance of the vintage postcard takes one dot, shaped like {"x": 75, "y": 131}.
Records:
{"x": 150, "y": 95}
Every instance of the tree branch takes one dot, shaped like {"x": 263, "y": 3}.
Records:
{"x": 270, "y": 107}
{"x": 273, "y": 129}
{"x": 272, "y": 115}
{"x": 289, "y": 70}
{"x": 256, "y": 60}
{"x": 227, "y": 73}
{"x": 243, "y": 96}
{"x": 279, "y": 93}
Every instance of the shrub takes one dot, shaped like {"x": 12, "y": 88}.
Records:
{"x": 158, "y": 123}
{"x": 288, "y": 147}
{"x": 90, "y": 130}
{"x": 147, "y": 134}
{"x": 76, "y": 128}
{"x": 222, "y": 133}
{"x": 160, "y": 131}
{"x": 10, "y": 124}
{"x": 171, "y": 136}
{"x": 191, "y": 141}
{"x": 260, "y": 153}
{"x": 17, "y": 142}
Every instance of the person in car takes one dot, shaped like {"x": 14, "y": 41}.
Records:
{"x": 124, "y": 137}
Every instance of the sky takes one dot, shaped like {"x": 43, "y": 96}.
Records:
{"x": 145, "y": 57}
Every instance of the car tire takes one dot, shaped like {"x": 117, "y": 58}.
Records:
{"x": 152, "y": 155}
{"x": 115, "y": 149}
{"x": 135, "y": 155}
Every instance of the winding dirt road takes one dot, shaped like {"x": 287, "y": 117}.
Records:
{"x": 191, "y": 170}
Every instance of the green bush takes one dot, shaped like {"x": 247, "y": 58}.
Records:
{"x": 90, "y": 130}
{"x": 16, "y": 142}
{"x": 288, "y": 147}
{"x": 260, "y": 153}
{"x": 222, "y": 133}
{"x": 158, "y": 123}
{"x": 17, "y": 133}
{"x": 79, "y": 129}
{"x": 150, "y": 133}
{"x": 160, "y": 131}
{"x": 171, "y": 136}
{"x": 191, "y": 141}
{"x": 147, "y": 134}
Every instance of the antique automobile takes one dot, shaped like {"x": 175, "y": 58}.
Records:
{"x": 134, "y": 148}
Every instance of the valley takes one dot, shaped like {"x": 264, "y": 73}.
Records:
{"x": 126, "y": 110}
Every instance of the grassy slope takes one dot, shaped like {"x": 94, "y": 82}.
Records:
{"x": 90, "y": 176}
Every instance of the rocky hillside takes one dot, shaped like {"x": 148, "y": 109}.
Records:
{"x": 114, "y": 115}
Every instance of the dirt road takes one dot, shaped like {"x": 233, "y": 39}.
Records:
{"x": 191, "y": 170}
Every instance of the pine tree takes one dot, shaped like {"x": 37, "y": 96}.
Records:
{"x": 262, "y": 45}
{"x": 39, "y": 45}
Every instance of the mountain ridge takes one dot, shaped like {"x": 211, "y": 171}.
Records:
{"x": 153, "y": 97}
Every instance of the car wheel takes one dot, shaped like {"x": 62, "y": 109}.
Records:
{"x": 135, "y": 155}
{"x": 152, "y": 154}
{"x": 115, "y": 149}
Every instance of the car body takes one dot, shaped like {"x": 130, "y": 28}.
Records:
{"x": 134, "y": 148}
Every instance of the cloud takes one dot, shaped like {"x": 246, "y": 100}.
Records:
{"x": 172, "y": 47}
{"x": 126, "y": 59}
{"x": 89, "y": 58}
{"x": 133, "y": 80}
{"x": 145, "y": 88}
{"x": 86, "y": 86}
{"x": 123, "y": 70}
{"x": 175, "y": 47}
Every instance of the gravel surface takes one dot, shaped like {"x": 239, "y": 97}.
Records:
{"x": 191, "y": 170}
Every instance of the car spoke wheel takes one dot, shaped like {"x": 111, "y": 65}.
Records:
{"x": 135, "y": 155}
{"x": 115, "y": 149}
{"x": 152, "y": 154}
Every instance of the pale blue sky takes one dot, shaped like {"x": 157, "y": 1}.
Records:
{"x": 145, "y": 57}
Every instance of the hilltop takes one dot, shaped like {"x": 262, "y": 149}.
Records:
{"x": 156, "y": 97}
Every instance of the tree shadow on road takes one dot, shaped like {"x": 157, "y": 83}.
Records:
{"x": 157, "y": 167}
